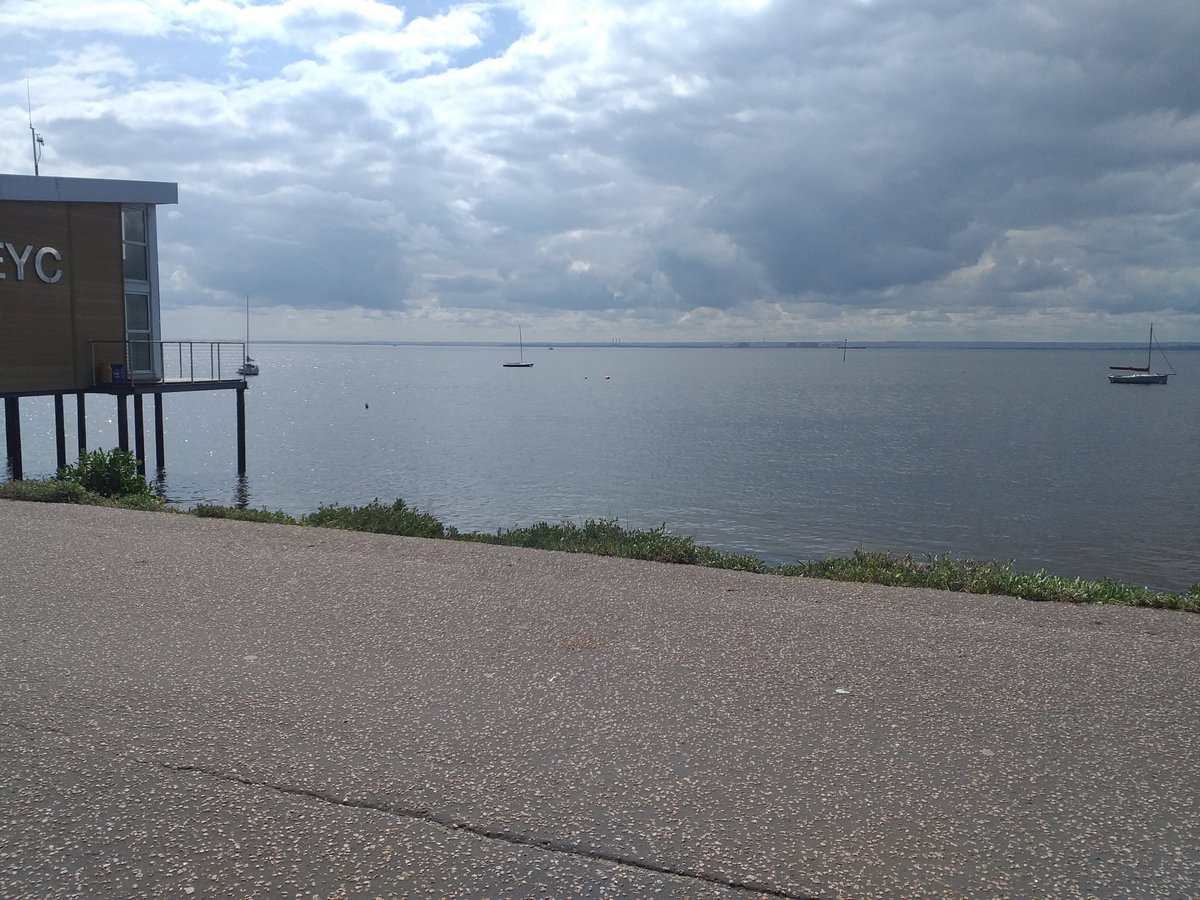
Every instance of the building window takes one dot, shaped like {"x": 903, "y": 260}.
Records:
{"x": 134, "y": 243}
{"x": 137, "y": 331}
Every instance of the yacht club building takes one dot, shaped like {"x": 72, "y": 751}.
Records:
{"x": 79, "y": 308}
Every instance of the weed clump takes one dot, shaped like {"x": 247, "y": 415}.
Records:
{"x": 945, "y": 573}
{"x": 111, "y": 474}
{"x": 49, "y": 490}
{"x": 214, "y": 511}
{"x": 598, "y": 536}
{"x": 380, "y": 518}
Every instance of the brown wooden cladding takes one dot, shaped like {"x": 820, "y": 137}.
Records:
{"x": 45, "y": 328}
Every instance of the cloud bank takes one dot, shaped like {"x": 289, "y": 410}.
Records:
{"x": 726, "y": 169}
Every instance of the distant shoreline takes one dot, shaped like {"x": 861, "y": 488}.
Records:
{"x": 753, "y": 345}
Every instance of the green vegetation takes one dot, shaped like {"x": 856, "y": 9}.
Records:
{"x": 379, "y": 518}
{"x": 48, "y": 491}
{"x": 208, "y": 511}
{"x": 55, "y": 490}
{"x": 598, "y": 537}
{"x": 608, "y": 538}
{"x": 974, "y": 577}
{"x": 97, "y": 479}
{"x": 112, "y": 474}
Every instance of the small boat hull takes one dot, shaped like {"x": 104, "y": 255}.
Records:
{"x": 1139, "y": 378}
{"x": 520, "y": 365}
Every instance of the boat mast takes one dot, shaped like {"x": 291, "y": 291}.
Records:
{"x": 1150, "y": 347}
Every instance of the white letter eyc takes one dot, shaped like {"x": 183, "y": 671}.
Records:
{"x": 39, "y": 264}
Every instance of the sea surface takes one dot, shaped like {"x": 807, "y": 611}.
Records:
{"x": 1028, "y": 456}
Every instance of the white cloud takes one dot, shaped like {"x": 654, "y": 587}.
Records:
{"x": 662, "y": 169}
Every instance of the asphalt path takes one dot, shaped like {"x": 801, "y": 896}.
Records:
{"x": 198, "y": 707}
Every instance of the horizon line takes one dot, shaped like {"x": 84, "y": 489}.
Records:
{"x": 750, "y": 345}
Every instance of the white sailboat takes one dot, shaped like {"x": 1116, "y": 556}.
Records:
{"x": 522, "y": 364}
{"x": 248, "y": 366}
{"x": 1142, "y": 374}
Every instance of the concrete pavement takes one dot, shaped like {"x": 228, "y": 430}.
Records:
{"x": 199, "y": 707}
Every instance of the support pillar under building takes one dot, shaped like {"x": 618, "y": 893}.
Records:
{"x": 122, "y": 423}
{"x": 139, "y": 435}
{"x": 60, "y": 432}
{"x": 241, "y": 431}
{"x": 160, "y": 452}
{"x": 12, "y": 436}
{"x": 81, "y": 422}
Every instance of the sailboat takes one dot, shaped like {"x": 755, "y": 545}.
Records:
{"x": 522, "y": 364}
{"x": 248, "y": 366}
{"x": 1142, "y": 374}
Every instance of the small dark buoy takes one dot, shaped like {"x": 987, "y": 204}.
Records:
{"x": 366, "y": 406}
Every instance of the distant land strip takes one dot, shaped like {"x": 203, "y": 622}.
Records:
{"x": 761, "y": 345}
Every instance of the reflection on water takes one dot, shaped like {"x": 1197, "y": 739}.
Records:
{"x": 788, "y": 454}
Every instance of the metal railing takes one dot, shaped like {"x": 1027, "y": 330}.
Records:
{"x": 148, "y": 362}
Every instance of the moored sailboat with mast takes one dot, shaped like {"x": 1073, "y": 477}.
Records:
{"x": 1142, "y": 374}
{"x": 248, "y": 366}
{"x": 522, "y": 364}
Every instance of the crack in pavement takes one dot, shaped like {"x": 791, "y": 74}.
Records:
{"x": 422, "y": 814}
{"x": 34, "y": 729}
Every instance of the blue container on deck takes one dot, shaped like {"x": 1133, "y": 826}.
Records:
{"x": 118, "y": 375}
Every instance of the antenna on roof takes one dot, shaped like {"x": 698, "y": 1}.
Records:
{"x": 39, "y": 142}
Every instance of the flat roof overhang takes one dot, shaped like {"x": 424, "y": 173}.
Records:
{"x": 86, "y": 190}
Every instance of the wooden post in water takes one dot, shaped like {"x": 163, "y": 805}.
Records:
{"x": 160, "y": 455}
{"x": 241, "y": 430}
{"x": 60, "y": 431}
{"x": 122, "y": 423}
{"x": 81, "y": 421}
{"x": 139, "y": 434}
{"x": 12, "y": 436}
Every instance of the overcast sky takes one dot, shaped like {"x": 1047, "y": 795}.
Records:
{"x": 716, "y": 170}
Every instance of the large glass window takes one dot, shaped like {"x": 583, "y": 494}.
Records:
{"x": 134, "y": 244}
{"x": 137, "y": 331}
{"x": 141, "y": 293}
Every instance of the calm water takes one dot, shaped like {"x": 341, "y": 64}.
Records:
{"x": 787, "y": 454}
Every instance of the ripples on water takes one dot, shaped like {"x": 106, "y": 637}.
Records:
{"x": 786, "y": 454}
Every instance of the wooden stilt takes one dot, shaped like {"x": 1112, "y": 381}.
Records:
{"x": 122, "y": 423}
{"x": 81, "y": 421}
{"x": 139, "y": 435}
{"x": 241, "y": 431}
{"x": 60, "y": 431}
{"x": 12, "y": 436}
{"x": 160, "y": 453}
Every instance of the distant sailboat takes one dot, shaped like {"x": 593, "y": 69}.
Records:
{"x": 522, "y": 364}
{"x": 248, "y": 366}
{"x": 1142, "y": 374}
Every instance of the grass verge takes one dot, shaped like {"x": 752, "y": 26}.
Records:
{"x": 53, "y": 490}
{"x": 608, "y": 538}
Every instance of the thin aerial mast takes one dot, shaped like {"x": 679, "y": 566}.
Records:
{"x": 38, "y": 142}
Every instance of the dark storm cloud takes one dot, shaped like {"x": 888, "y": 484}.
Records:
{"x": 904, "y": 152}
